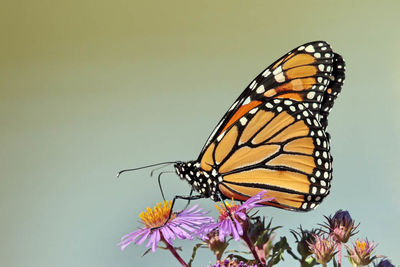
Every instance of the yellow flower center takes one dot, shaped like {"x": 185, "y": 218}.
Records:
{"x": 158, "y": 216}
{"x": 232, "y": 207}
{"x": 361, "y": 245}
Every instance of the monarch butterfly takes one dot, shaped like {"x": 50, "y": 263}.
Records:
{"x": 274, "y": 137}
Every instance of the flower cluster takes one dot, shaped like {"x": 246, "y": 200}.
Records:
{"x": 238, "y": 222}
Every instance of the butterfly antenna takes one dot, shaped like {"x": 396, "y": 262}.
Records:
{"x": 144, "y": 167}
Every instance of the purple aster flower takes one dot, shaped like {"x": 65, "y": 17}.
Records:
{"x": 360, "y": 254}
{"x": 225, "y": 225}
{"x": 181, "y": 225}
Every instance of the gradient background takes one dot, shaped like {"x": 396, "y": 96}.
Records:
{"x": 91, "y": 87}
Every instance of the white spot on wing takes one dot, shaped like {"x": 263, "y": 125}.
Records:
{"x": 314, "y": 190}
{"x": 277, "y": 70}
{"x": 266, "y": 73}
{"x": 254, "y": 110}
{"x": 310, "y": 49}
{"x": 311, "y": 95}
{"x": 253, "y": 84}
{"x": 233, "y": 105}
{"x": 246, "y": 101}
{"x": 280, "y": 77}
{"x": 260, "y": 89}
{"x": 219, "y": 138}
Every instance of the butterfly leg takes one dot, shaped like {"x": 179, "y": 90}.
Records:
{"x": 172, "y": 206}
{"x": 188, "y": 203}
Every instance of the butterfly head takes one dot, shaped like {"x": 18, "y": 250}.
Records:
{"x": 206, "y": 183}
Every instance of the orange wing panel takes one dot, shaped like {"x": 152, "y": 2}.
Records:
{"x": 207, "y": 160}
{"x": 226, "y": 144}
{"x": 303, "y": 145}
{"x": 255, "y": 124}
{"x": 284, "y": 179}
{"x": 240, "y": 112}
{"x": 299, "y": 162}
{"x": 247, "y": 156}
{"x": 292, "y": 200}
{"x": 299, "y": 128}
{"x": 300, "y": 72}
{"x": 299, "y": 60}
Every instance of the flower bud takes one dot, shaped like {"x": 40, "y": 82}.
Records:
{"x": 215, "y": 244}
{"x": 384, "y": 263}
{"x": 323, "y": 248}
{"x": 262, "y": 236}
{"x": 303, "y": 238}
{"x": 341, "y": 226}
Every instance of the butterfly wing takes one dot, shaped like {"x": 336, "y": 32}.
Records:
{"x": 278, "y": 146}
{"x": 302, "y": 74}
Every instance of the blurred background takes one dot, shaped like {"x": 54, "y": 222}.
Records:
{"x": 91, "y": 87}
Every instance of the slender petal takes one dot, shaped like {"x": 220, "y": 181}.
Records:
{"x": 143, "y": 238}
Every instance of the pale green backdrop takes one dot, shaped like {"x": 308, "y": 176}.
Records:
{"x": 90, "y": 87}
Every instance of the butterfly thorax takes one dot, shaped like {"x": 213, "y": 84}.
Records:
{"x": 206, "y": 183}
